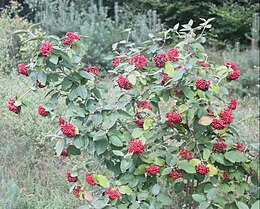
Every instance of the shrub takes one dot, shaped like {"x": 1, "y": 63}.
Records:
{"x": 10, "y": 44}
{"x": 134, "y": 153}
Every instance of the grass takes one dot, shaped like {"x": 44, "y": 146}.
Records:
{"x": 30, "y": 174}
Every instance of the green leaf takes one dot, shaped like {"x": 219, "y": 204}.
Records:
{"x": 140, "y": 169}
{"x": 60, "y": 145}
{"x": 212, "y": 193}
{"x": 54, "y": 59}
{"x": 169, "y": 69}
{"x": 99, "y": 203}
{"x": 102, "y": 181}
{"x": 110, "y": 120}
{"x": 125, "y": 190}
{"x": 178, "y": 74}
{"x": 86, "y": 75}
{"x": 147, "y": 123}
{"x": 194, "y": 162}
{"x": 235, "y": 156}
{"x": 256, "y": 205}
{"x": 82, "y": 92}
{"x": 215, "y": 88}
{"x": 42, "y": 77}
{"x": 73, "y": 94}
{"x": 101, "y": 146}
{"x": 132, "y": 79}
{"x": 203, "y": 205}
{"x": 156, "y": 189}
{"x": 199, "y": 197}
{"x": 188, "y": 92}
{"x": 126, "y": 164}
{"x": 212, "y": 170}
{"x": 123, "y": 113}
{"x": 73, "y": 150}
{"x": 184, "y": 165}
{"x": 159, "y": 161}
{"x": 115, "y": 140}
{"x": 100, "y": 135}
{"x": 205, "y": 120}
{"x": 166, "y": 171}
{"x": 178, "y": 187}
{"x": 118, "y": 153}
{"x": 242, "y": 205}
{"x": 165, "y": 200}
{"x": 137, "y": 132}
{"x": 206, "y": 154}
{"x": 97, "y": 118}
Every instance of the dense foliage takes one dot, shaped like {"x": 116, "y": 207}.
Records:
{"x": 234, "y": 17}
{"x": 168, "y": 130}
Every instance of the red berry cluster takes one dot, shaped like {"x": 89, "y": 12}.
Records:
{"x": 173, "y": 54}
{"x": 39, "y": 84}
{"x": 225, "y": 175}
{"x": 235, "y": 73}
{"x": 90, "y": 179}
{"x": 144, "y": 105}
{"x": 174, "y": 174}
{"x": 123, "y": 82}
{"x": 112, "y": 193}
{"x": 202, "y": 84}
{"x": 93, "y": 70}
{"x": 67, "y": 129}
{"x": 70, "y": 37}
{"x": 135, "y": 146}
{"x": 42, "y": 111}
{"x": 232, "y": 104}
{"x": 173, "y": 118}
{"x": 153, "y": 169}
{"x": 176, "y": 91}
{"x": 46, "y": 48}
{"x": 202, "y": 63}
{"x": 64, "y": 153}
{"x": 70, "y": 178}
{"x": 76, "y": 191}
{"x": 226, "y": 115}
{"x": 138, "y": 61}
{"x": 219, "y": 146}
{"x": 166, "y": 78}
{"x": 139, "y": 123}
{"x": 202, "y": 169}
{"x": 11, "y": 106}
{"x": 160, "y": 60}
{"x": 218, "y": 124}
{"x": 116, "y": 61}
{"x": 22, "y": 69}
{"x": 186, "y": 154}
{"x": 239, "y": 147}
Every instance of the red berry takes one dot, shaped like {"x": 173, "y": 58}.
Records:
{"x": 22, "y": 69}
{"x": 160, "y": 60}
{"x": 153, "y": 169}
{"x": 202, "y": 169}
{"x": 173, "y": 54}
{"x": 202, "y": 84}
{"x": 123, "y": 82}
{"x": 46, "y": 48}
{"x": 173, "y": 118}
{"x": 42, "y": 111}
{"x": 136, "y": 146}
{"x": 112, "y": 193}
{"x": 90, "y": 179}
{"x": 138, "y": 60}
{"x": 70, "y": 178}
